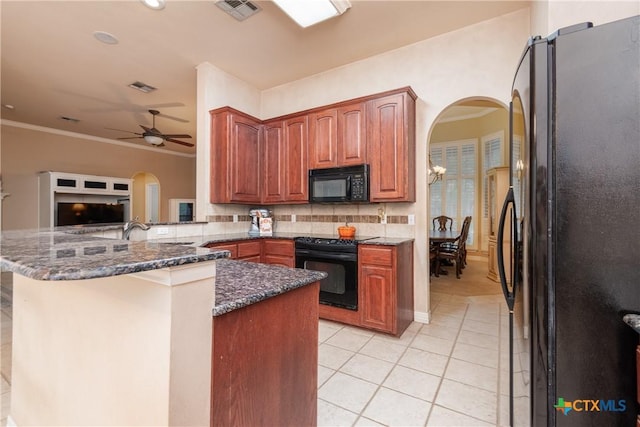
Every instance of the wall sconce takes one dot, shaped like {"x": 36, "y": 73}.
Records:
{"x": 519, "y": 169}
{"x": 435, "y": 172}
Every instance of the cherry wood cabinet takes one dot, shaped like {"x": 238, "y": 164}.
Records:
{"x": 385, "y": 287}
{"x": 235, "y": 172}
{"x": 337, "y": 136}
{"x": 279, "y": 252}
{"x": 391, "y": 147}
{"x": 256, "y": 162}
{"x": 265, "y": 362}
{"x": 264, "y": 250}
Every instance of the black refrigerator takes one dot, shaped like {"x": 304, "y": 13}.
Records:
{"x": 569, "y": 241}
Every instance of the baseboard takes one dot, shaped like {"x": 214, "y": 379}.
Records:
{"x": 422, "y": 316}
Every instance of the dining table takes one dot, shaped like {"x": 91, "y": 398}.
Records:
{"x": 439, "y": 237}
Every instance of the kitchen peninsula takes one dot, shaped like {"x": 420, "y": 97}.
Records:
{"x": 117, "y": 332}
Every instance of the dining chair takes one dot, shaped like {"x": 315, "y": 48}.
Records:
{"x": 457, "y": 251}
{"x": 442, "y": 223}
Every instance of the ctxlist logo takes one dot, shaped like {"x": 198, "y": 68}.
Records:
{"x": 590, "y": 405}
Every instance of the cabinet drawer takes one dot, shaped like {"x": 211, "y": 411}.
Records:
{"x": 279, "y": 247}
{"x": 231, "y": 247}
{"x": 248, "y": 249}
{"x": 377, "y": 255}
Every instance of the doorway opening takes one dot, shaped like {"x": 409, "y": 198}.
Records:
{"x": 145, "y": 197}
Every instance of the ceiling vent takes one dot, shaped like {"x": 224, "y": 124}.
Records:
{"x": 239, "y": 9}
{"x": 142, "y": 87}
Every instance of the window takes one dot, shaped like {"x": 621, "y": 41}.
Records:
{"x": 455, "y": 194}
{"x": 492, "y": 158}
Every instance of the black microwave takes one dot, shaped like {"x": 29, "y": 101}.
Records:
{"x": 348, "y": 184}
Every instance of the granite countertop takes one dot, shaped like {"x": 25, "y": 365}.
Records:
{"x": 241, "y": 283}
{"x": 55, "y": 254}
{"x": 633, "y": 320}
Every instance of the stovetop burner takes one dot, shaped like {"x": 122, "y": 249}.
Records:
{"x": 329, "y": 244}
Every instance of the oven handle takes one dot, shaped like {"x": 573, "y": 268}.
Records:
{"x": 338, "y": 256}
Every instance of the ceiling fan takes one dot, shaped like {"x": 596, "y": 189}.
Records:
{"x": 154, "y": 137}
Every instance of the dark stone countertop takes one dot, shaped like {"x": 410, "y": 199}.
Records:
{"x": 55, "y": 254}
{"x": 241, "y": 283}
{"x": 632, "y": 320}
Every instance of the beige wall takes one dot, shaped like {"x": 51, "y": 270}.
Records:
{"x": 25, "y": 152}
{"x": 549, "y": 15}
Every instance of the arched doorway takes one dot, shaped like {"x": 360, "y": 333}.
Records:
{"x": 145, "y": 197}
{"x": 468, "y": 138}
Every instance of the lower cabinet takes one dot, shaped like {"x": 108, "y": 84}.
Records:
{"x": 268, "y": 251}
{"x": 265, "y": 362}
{"x": 385, "y": 287}
{"x": 279, "y": 252}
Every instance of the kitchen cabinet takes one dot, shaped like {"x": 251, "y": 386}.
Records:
{"x": 338, "y": 136}
{"x": 265, "y": 362}
{"x": 385, "y": 287}
{"x": 279, "y": 252}
{"x": 268, "y": 251}
{"x": 243, "y": 250}
{"x": 391, "y": 146}
{"x": 497, "y": 187}
{"x": 285, "y": 161}
{"x": 235, "y": 173}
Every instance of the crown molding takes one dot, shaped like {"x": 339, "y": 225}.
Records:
{"x": 77, "y": 135}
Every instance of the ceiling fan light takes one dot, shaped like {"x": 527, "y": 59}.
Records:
{"x": 307, "y": 13}
{"x": 153, "y": 139}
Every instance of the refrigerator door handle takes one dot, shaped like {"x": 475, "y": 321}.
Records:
{"x": 509, "y": 291}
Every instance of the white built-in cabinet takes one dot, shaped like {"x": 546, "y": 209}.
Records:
{"x": 56, "y": 187}
{"x": 497, "y": 187}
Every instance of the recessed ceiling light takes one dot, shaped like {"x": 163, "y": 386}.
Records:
{"x": 8, "y": 106}
{"x": 142, "y": 87}
{"x": 154, "y": 4}
{"x": 307, "y": 13}
{"x": 105, "y": 37}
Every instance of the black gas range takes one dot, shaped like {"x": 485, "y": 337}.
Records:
{"x": 339, "y": 259}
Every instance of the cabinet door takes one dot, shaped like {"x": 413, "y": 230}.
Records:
{"x": 377, "y": 303}
{"x": 351, "y": 144}
{"x": 273, "y": 163}
{"x": 323, "y": 139}
{"x": 245, "y": 159}
{"x": 279, "y": 252}
{"x": 231, "y": 247}
{"x": 295, "y": 155}
{"x": 391, "y": 148}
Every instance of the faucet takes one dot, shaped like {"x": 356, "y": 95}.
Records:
{"x": 130, "y": 225}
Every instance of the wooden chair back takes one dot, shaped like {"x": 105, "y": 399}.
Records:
{"x": 442, "y": 223}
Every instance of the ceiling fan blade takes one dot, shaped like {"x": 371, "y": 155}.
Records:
{"x": 122, "y": 130}
{"x": 132, "y": 137}
{"x": 176, "y": 135}
{"x": 177, "y": 119}
{"x": 187, "y": 144}
{"x": 152, "y": 131}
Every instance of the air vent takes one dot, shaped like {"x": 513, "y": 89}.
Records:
{"x": 239, "y": 9}
{"x": 142, "y": 87}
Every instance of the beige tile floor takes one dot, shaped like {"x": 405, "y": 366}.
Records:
{"x": 445, "y": 373}
{"x": 441, "y": 374}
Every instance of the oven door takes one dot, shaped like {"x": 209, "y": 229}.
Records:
{"x": 340, "y": 287}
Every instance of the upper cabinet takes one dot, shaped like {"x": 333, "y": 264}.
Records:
{"x": 285, "y": 161}
{"x": 235, "y": 157}
{"x": 268, "y": 162}
{"x": 337, "y": 136}
{"x": 391, "y": 147}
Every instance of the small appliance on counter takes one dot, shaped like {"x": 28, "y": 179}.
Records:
{"x": 261, "y": 222}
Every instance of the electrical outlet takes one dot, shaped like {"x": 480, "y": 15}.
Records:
{"x": 162, "y": 230}
{"x": 383, "y": 219}
{"x": 293, "y": 217}
{"x": 235, "y": 217}
{"x": 411, "y": 219}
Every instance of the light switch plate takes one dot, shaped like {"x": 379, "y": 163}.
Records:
{"x": 293, "y": 217}
{"x": 411, "y": 219}
{"x": 235, "y": 217}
